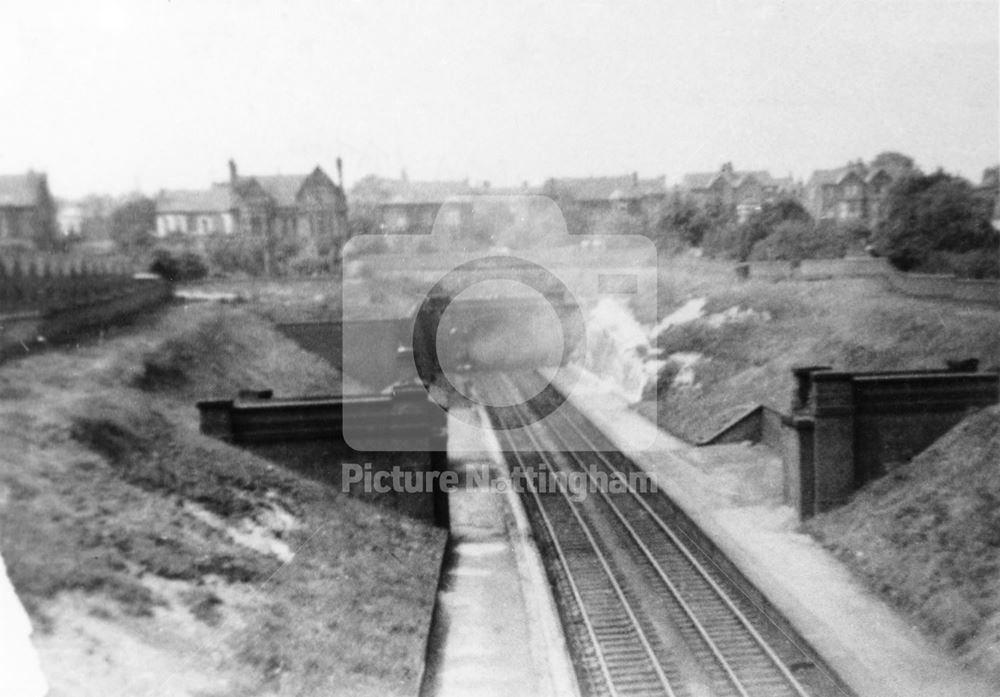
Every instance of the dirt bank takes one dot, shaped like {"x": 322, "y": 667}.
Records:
{"x": 156, "y": 561}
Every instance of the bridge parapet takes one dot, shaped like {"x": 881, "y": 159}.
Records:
{"x": 852, "y": 428}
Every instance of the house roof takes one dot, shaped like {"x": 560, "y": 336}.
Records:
{"x": 625, "y": 187}
{"x": 282, "y": 188}
{"x": 821, "y": 177}
{"x": 20, "y": 190}
{"x": 214, "y": 200}
{"x": 735, "y": 178}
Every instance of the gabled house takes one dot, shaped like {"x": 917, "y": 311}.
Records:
{"x": 310, "y": 205}
{"x": 743, "y": 191}
{"x": 27, "y": 210}
{"x": 839, "y": 193}
{"x": 854, "y": 192}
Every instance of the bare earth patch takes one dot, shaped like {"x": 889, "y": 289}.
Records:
{"x": 156, "y": 561}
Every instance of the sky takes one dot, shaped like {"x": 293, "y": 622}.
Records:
{"x": 110, "y": 96}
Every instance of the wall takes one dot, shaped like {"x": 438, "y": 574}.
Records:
{"x": 941, "y": 286}
{"x": 402, "y": 431}
{"x": 759, "y": 424}
{"x": 852, "y": 428}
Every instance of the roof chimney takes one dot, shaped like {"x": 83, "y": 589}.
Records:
{"x": 233, "y": 176}
{"x": 340, "y": 172}
{"x": 635, "y": 179}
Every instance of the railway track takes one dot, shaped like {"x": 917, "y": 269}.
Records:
{"x": 646, "y": 611}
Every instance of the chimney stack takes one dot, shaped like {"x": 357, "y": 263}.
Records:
{"x": 233, "y": 176}
{"x": 340, "y": 172}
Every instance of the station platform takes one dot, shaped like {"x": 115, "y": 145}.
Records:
{"x": 733, "y": 493}
{"x": 495, "y": 629}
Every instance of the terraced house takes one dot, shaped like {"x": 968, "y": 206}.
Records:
{"x": 744, "y": 191}
{"x": 311, "y": 206}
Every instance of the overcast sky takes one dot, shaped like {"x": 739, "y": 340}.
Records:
{"x": 115, "y": 95}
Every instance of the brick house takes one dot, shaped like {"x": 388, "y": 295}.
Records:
{"x": 854, "y": 192}
{"x": 743, "y": 191}
{"x": 311, "y": 206}
{"x": 27, "y": 210}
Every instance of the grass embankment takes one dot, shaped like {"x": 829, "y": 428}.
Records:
{"x": 154, "y": 560}
{"x": 927, "y": 537}
{"x": 850, "y": 324}
{"x": 364, "y": 294}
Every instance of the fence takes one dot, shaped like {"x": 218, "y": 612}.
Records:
{"x": 46, "y": 299}
{"x": 941, "y": 286}
{"x": 43, "y": 285}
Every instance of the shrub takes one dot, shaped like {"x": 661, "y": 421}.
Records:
{"x": 178, "y": 266}
{"x": 797, "y": 240}
{"x": 230, "y": 253}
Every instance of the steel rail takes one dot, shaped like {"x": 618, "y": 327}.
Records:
{"x": 682, "y": 547}
{"x": 719, "y": 591}
{"x": 608, "y": 571}
{"x": 727, "y": 664}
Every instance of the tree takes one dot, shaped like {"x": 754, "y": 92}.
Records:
{"x": 765, "y": 222}
{"x": 682, "y": 220}
{"x": 928, "y": 214}
{"x": 132, "y": 223}
{"x": 892, "y": 160}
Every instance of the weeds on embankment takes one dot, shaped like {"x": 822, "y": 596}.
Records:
{"x": 927, "y": 538}
{"x": 849, "y": 324}
{"x": 130, "y": 536}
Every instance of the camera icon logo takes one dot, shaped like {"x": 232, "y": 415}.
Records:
{"x": 494, "y": 318}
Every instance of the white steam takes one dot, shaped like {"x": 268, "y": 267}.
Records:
{"x": 622, "y": 352}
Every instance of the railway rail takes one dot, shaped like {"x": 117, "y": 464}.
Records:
{"x": 646, "y": 611}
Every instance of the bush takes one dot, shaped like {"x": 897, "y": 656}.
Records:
{"x": 797, "y": 240}
{"x": 724, "y": 242}
{"x": 231, "y": 253}
{"x": 765, "y": 223}
{"x": 976, "y": 263}
{"x": 178, "y": 266}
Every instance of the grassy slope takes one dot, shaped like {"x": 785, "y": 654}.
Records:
{"x": 851, "y": 324}
{"x": 110, "y": 489}
{"x": 928, "y": 538}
